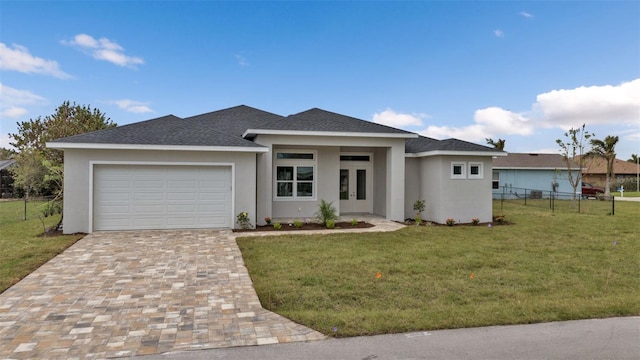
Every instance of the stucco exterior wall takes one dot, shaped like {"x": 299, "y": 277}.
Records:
{"x": 429, "y": 179}
{"x": 77, "y": 167}
{"x": 388, "y": 181}
{"x": 534, "y": 179}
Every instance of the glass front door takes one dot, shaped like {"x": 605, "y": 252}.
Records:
{"x": 355, "y": 188}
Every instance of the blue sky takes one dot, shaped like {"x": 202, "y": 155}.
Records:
{"x": 521, "y": 71}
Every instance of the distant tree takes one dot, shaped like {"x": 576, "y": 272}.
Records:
{"x": 499, "y": 145}
{"x": 29, "y": 175}
{"x": 606, "y": 149}
{"x": 571, "y": 147}
{"x": 6, "y": 154}
{"x": 68, "y": 120}
{"x": 634, "y": 158}
{"x": 39, "y": 169}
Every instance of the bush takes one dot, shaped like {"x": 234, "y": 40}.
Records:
{"x": 326, "y": 212}
{"x": 330, "y": 224}
{"x": 354, "y": 222}
{"x": 418, "y": 206}
{"x": 277, "y": 226}
{"x": 297, "y": 223}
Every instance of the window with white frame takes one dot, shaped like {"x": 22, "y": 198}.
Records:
{"x": 458, "y": 170}
{"x": 475, "y": 170}
{"x": 295, "y": 174}
{"x": 495, "y": 183}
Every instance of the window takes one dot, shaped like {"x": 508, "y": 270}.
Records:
{"x": 355, "y": 158}
{"x": 458, "y": 170}
{"x": 295, "y": 174}
{"x": 475, "y": 170}
{"x": 496, "y": 180}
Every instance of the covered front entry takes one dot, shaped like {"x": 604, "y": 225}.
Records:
{"x": 131, "y": 197}
{"x": 356, "y": 183}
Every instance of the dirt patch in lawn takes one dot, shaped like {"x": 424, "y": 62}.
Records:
{"x": 309, "y": 226}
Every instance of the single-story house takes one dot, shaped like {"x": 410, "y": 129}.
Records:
{"x": 202, "y": 171}
{"x": 595, "y": 171}
{"x": 543, "y": 172}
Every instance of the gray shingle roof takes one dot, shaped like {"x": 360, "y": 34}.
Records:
{"x": 6, "y": 163}
{"x": 532, "y": 161}
{"x": 425, "y": 144}
{"x": 326, "y": 121}
{"x": 225, "y": 128}
{"x": 166, "y": 130}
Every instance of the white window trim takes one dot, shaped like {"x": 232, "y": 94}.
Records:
{"x": 295, "y": 163}
{"x": 480, "y": 174}
{"x": 463, "y": 166}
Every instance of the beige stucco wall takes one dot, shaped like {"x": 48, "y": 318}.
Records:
{"x": 387, "y": 185}
{"x": 77, "y": 177}
{"x": 460, "y": 199}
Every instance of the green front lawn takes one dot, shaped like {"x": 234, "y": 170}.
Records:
{"x": 23, "y": 248}
{"x": 545, "y": 267}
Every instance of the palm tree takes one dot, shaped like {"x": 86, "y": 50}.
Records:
{"x": 606, "y": 149}
{"x": 633, "y": 159}
{"x": 499, "y": 145}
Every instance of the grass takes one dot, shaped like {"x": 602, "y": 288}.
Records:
{"x": 13, "y": 211}
{"x": 23, "y": 248}
{"x": 545, "y": 267}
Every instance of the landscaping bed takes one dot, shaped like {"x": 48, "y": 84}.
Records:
{"x": 309, "y": 226}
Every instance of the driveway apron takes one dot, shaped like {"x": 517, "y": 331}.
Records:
{"x": 119, "y": 294}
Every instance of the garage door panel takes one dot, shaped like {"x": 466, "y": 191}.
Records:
{"x": 161, "y": 197}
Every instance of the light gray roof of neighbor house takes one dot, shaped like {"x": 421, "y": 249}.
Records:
{"x": 6, "y": 163}
{"x": 166, "y": 130}
{"x": 425, "y": 144}
{"x": 532, "y": 161}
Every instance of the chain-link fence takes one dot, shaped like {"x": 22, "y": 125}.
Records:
{"x": 555, "y": 201}
{"x": 16, "y": 210}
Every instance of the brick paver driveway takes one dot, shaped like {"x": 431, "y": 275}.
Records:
{"x": 117, "y": 294}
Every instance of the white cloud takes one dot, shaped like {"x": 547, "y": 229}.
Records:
{"x": 391, "y": 118}
{"x": 593, "y": 105}
{"x": 4, "y": 141}
{"x": 133, "y": 106}
{"x": 18, "y": 58}
{"x": 616, "y": 107}
{"x": 242, "y": 61}
{"x": 526, "y": 14}
{"x": 498, "y": 33}
{"x": 104, "y": 49}
{"x": 13, "y": 101}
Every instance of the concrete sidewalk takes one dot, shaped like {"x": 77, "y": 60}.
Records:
{"x": 613, "y": 338}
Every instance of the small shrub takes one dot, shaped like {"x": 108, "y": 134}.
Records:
{"x": 326, "y": 211}
{"x": 499, "y": 219}
{"x": 418, "y": 220}
{"x": 418, "y": 206}
{"x": 243, "y": 220}
{"x": 297, "y": 223}
{"x": 354, "y": 222}
{"x": 330, "y": 224}
{"x": 475, "y": 221}
{"x": 267, "y": 220}
{"x": 450, "y": 222}
{"x": 277, "y": 226}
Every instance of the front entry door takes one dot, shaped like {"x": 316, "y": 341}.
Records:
{"x": 355, "y": 188}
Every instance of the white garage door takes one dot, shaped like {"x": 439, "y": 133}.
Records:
{"x": 128, "y": 197}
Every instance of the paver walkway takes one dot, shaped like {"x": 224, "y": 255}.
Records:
{"x": 120, "y": 294}
{"x": 132, "y": 293}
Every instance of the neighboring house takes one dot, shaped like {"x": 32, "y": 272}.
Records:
{"x": 201, "y": 171}
{"x": 595, "y": 171}
{"x": 6, "y": 179}
{"x": 545, "y": 172}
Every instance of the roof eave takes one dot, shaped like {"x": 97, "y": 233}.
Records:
{"x": 254, "y": 132}
{"x": 94, "y": 146}
{"x": 455, "y": 153}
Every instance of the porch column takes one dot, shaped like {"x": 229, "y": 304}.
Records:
{"x": 395, "y": 181}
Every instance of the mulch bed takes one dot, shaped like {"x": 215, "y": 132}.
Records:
{"x": 309, "y": 226}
